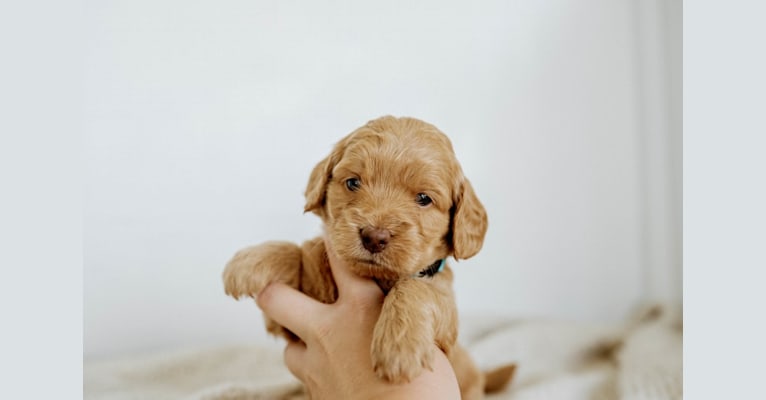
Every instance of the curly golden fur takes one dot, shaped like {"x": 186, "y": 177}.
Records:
{"x": 393, "y": 199}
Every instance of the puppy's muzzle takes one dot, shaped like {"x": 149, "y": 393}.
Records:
{"x": 374, "y": 239}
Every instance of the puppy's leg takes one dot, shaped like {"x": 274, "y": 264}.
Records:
{"x": 469, "y": 378}
{"x": 252, "y": 268}
{"x": 416, "y": 314}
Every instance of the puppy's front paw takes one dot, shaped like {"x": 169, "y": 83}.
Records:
{"x": 236, "y": 286}
{"x": 252, "y": 268}
{"x": 400, "y": 358}
{"x": 239, "y": 279}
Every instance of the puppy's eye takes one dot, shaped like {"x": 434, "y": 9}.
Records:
{"x": 423, "y": 199}
{"x": 353, "y": 184}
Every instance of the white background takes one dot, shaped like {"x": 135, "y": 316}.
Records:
{"x": 203, "y": 120}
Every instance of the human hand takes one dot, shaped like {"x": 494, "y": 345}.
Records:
{"x": 333, "y": 360}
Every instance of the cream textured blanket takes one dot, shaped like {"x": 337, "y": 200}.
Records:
{"x": 638, "y": 359}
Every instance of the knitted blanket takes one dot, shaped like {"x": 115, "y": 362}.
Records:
{"x": 640, "y": 358}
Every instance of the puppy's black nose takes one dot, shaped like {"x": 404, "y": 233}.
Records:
{"x": 375, "y": 239}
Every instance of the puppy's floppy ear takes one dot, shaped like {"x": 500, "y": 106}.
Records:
{"x": 469, "y": 222}
{"x": 316, "y": 189}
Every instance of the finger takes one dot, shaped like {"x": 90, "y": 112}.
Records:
{"x": 350, "y": 284}
{"x": 295, "y": 359}
{"x": 290, "y": 308}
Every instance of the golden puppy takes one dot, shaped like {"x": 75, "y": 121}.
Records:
{"x": 395, "y": 204}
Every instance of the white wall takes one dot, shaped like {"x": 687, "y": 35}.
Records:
{"x": 204, "y": 119}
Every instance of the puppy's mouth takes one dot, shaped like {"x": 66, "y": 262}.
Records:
{"x": 372, "y": 263}
{"x": 371, "y": 268}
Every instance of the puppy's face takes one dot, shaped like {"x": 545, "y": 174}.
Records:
{"x": 394, "y": 199}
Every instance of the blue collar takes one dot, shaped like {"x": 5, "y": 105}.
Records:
{"x": 432, "y": 269}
